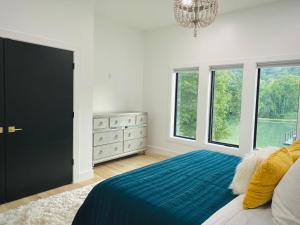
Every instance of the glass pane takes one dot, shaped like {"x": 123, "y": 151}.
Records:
{"x": 226, "y": 100}
{"x": 278, "y": 106}
{"x": 186, "y": 104}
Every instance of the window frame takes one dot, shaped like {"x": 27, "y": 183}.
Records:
{"x": 256, "y": 107}
{"x": 211, "y": 105}
{"x": 290, "y": 63}
{"x": 175, "y": 117}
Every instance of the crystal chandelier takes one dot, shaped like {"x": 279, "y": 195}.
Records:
{"x": 195, "y": 13}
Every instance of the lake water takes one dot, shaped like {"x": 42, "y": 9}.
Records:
{"x": 269, "y": 132}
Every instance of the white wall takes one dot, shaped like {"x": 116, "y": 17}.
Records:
{"x": 119, "y": 57}
{"x": 65, "y": 24}
{"x": 270, "y": 32}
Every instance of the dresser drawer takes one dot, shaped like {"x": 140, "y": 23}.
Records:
{"x": 134, "y": 144}
{"x": 115, "y": 136}
{"x": 131, "y": 133}
{"x": 122, "y": 121}
{"x": 103, "y": 138}
{"x": 141, "y": 119}
{"x": 141, "y": 132}
{"x": 100, "y": 123}
{"x": 130, "y": 145}
{"x": 141, "y": 143}
{"x": 116, "y": 148}
{"x": 101, "y": 152}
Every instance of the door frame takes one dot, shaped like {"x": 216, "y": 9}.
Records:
{"x": 76, "y": 52}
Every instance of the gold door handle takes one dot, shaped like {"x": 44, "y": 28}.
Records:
{"x": 1, "y": 130}
{"x": 13, "y": 129}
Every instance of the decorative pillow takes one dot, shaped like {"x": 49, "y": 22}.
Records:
{"x": 266, "y": 178}
{"x": 286, "y": 198}
{"x": 295, "y": 155}
{"x": 295, "y": 150}
{"x": 247, "y": 167}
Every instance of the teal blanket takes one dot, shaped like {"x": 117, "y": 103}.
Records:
{"x": 184, "y": 190}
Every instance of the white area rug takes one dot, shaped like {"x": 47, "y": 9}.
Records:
{"x": 56, "y": 210}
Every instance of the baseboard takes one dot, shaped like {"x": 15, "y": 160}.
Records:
{"x": 86, "y": 175}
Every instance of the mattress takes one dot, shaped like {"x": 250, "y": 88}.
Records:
{"x": 184, "y": 190}
{"x": 234, "y": 214}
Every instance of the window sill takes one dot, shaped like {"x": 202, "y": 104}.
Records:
{"x": 223, "y": 147}
{"x": 183, "y": 141}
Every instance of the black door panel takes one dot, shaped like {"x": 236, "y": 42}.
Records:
{"x": 39, "y": 100}
{"x": 2, "y": 153}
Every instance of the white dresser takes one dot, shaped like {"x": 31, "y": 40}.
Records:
{"x": 118, "y": 134}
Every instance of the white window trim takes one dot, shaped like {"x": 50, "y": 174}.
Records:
{"x": 172, "y": 108}
{"x": 248, "y": 104}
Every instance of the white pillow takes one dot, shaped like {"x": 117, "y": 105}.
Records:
{"x": 247, "y": 167}
{"x": 286, "y": 198}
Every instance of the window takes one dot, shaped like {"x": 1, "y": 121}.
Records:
{"x": 277, "y": 105}
{"x": 186, "y": 95}
{"x": 225, "y": 108}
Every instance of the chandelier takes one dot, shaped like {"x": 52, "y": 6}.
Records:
{"x": 195, "y": 13}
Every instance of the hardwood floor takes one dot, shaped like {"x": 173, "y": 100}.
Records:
{"x": 101, "y": 172}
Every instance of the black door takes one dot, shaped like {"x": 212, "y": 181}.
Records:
{"x": 2, "y": 153}
{"x": 39, "y": 118}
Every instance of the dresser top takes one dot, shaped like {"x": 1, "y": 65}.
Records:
{"x": 121, "y": 113}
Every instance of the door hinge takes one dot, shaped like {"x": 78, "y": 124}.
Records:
{"x": 73, "y": 114}
{"x": 72, "y": 162}
{"x": 73, "y": 66}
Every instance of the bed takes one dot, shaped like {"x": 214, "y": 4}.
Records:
{"x": 184, "y": 190}
{"x": 234, "y": 214}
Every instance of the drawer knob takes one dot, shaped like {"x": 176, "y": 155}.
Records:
{"x": 116, "y": 148}
{"x": 100, "y": 152}
{"x": 141, "y": 132}
{"x": 100, "y": 123}
{"x": 116, "y": 136}
{"x": 129, "y": 121}
{"x": 129, "y": 146}
{"x": 101, "y": 138}
{"x": 129, "y": 134}
{"x": 141, "y": 119}
{"x": 116, "y": 121}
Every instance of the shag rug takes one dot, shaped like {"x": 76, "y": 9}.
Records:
{"x": 55, "y": 210}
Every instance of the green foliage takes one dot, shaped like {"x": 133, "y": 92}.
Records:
{"x": 187, "y": 95}
{"x": 227, "y": 102}
{"x": 278, "y": 99}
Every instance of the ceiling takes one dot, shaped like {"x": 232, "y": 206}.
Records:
{"x": 151, "y": 14}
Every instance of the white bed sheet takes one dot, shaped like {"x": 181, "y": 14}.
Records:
{"x": 234, "y": 214}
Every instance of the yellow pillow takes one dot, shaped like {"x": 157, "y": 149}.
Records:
{"x": 266, "y": 178}
{"x": 295, "y": 150}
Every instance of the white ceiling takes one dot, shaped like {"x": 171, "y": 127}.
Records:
{"x": 151, "y": 14}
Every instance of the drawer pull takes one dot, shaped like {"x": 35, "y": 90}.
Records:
{"x": 141, "y": 132}
{"x": 101, "y": 139}
{"x": 116, "y": 148}
{"x": 129, "y": 134}
{"x": 141, "y": 119}
{"x": 129, "y": 121}
{"x": 129, "y": 146}
{"x": 116, "y": 136}
{"x": 100, "y": 152}
{"x": 100, "y": 123}
{"x": 116, "y": 121}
